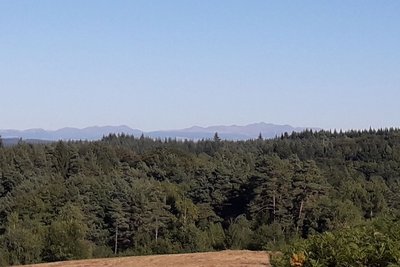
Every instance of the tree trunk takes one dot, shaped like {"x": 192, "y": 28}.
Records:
{"x": 116, "y": 240}
{"x": 274, "y": 211}
{"x": 274, "y": 205}
{"x": 300, "y": 215}
{"x": 156, "y": 234}
{"x": 184, "y": 216}
{"x": 301, "y": 209}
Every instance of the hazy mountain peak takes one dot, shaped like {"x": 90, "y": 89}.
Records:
{"x": 232, "y": 132}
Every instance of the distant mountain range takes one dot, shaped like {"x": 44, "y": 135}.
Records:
{"x": 233, "y": 132}
{"x": 89, "y": 133}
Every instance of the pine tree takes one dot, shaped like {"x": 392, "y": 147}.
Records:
{"x": 216, "y": 137}
{"x": 272, "y": 202}
{"x": 121, "y": 232}
{"x": 308, "y": 186}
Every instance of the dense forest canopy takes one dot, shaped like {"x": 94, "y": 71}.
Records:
{"x": 132, "y": 196}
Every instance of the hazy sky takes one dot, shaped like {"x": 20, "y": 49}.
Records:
{"x": 172, "y": 64}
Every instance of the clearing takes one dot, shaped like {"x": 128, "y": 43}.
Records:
{"x": 227, "y": 258}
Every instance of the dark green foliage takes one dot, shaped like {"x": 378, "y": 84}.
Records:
{"x": 131, "y": 196}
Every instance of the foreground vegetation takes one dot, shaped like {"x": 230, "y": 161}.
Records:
{"x": 133, "y": 196}
{"x": 376, "y": 243}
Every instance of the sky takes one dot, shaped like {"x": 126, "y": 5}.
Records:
{"x": 173, "y": 64}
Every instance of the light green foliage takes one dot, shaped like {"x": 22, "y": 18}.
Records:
{"x": 239, "y": 233}
{"x": 66, "y": 236}
{"x": 23, "y": 241}
{"x": 268, "y": 237}
{"x": 216, "y": 236}
{"x": 374, "y": 244}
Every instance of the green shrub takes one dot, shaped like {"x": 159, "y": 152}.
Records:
{"x": 376, "y": 244}
{"x": 102, "y": 252}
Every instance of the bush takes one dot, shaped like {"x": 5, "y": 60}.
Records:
{"x": 376, "y": 244}
{"x": 102, "y": 252}
{"x": 239, "y": 234}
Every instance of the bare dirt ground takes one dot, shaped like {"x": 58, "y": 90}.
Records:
{"x": 227, "y": 258}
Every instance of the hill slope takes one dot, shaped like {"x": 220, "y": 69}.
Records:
{"x": 228, "y": 258}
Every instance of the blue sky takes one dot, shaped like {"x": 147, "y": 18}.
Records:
{"x": 172, "y": 64}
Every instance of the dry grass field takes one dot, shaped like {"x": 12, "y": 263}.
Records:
{"x": 228, "y": 258}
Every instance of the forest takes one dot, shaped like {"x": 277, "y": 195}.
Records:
{"x": 126, "y": 195}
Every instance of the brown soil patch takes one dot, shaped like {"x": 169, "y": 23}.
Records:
{"x": 227, "y": 258}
